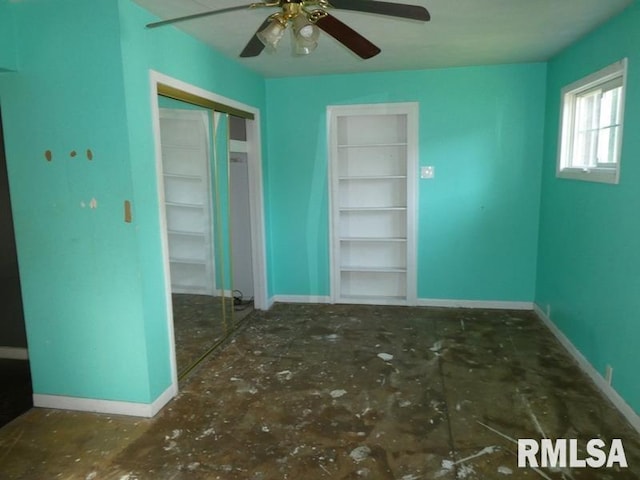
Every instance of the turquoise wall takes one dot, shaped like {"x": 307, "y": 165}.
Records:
{"x": 78, "y": 265}
{"x": 589, "y": 257}
{"x": 481, "y": 127}
{"x": 171, "y": 52}
{"x": 93, "y": 290}
{"x": 92, "y": 284}
{"x": 8, "y": 56}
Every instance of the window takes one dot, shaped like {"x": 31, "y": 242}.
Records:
{"x": 591, "y": 126}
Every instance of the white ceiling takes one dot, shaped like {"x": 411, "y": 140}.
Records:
{"x": 460, "y": 33}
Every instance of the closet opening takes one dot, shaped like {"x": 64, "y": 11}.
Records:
{"x": 210, "y": 191}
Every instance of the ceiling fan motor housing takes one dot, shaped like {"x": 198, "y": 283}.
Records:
{"x": 291, "y": 8}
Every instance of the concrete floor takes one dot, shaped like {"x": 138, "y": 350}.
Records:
{"x": 346, "y": 392}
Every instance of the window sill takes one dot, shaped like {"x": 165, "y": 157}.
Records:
{"x": 599, "y": 175}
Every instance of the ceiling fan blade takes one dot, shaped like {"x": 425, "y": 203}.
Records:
{"x": 414, "y": 12}
{"x": 348, "y": 37}
{"x": 199, "y": 15}
{"x": 255, "y": 46}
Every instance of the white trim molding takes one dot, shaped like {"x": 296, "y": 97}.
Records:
{"x": 421, "y": 302}
{"x": 489, "y": 304}
{"x": 609, "y": 392}
{"x": 14, "y": 353}
{"x": 112, "y": 407}
{"x": 256, "y": 197}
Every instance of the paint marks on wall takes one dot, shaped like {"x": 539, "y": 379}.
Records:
{"x": 127, "y": 212}
{"x": 93, "y": 204}
{"x": 48, "y": 154}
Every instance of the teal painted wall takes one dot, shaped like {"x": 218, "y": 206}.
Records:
{"x": 171, "y": 52}
{"x": 589, "y": 235}
{"x": 92, "y": 284}
{"x": 8, "y": 56}
{"x": 481, "y": 127}
{"x": 79, "y": 265}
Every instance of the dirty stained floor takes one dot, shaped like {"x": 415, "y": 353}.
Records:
{"x": 343, "y": 392}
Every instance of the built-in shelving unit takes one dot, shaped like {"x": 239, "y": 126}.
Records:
{"x": 188, "y": 202}
{"x": 373, "y": 163}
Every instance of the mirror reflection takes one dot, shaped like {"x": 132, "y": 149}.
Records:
{"x": 203, "y": 226}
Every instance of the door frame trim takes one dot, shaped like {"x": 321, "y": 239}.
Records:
{"x": 158, "y": 81}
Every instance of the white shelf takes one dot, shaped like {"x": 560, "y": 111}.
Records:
{"x": 373, "y": 209}
{"x": 184, "y": 176}
{"x": 373, "y": 239}
{"x": 186, "y": 233}
{"x": 346, "y": 268}
{"x": 374, "y": 299}
{"x": 372, "y": 177}
{"x": 185, "y": 205}
{"x": 373, "y": 145}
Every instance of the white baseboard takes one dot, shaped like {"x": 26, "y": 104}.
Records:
{"x": 14, "y": 353}
{"x": 421, "y": 302}
{"x": 132, "y": 409}
{"x": 490, "y": 304}
{"x": 324, "y": 299}
{"x": 615, "y": 398}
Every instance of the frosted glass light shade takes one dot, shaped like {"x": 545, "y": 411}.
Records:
{"x": 272, "y": 34}
{"x": 305, "y": 36}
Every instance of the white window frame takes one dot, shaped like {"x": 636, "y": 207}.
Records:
{"x": 569, "y": 96}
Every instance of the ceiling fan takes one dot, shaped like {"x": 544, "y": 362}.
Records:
{"x": 307, "y": 18}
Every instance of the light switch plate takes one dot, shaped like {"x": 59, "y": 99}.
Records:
{"x": 427, "y": 172}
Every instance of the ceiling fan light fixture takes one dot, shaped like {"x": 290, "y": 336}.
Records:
{"x": 304, "y": 28}
{"x": 305, "y": 35}
{"x": 273, "y": 32}
{"x": 303, "y": 47}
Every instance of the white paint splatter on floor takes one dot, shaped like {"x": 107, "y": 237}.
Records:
{"x": 337, "y": 393}
{"x": 465, "y": 470}
{"x": 207, "y": 433}
{"x": 284, "y": 375}
{"x": 359, "y": 454}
